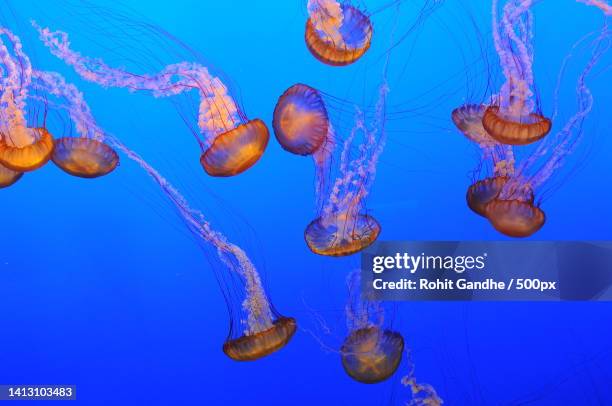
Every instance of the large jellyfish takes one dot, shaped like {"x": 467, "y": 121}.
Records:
{"x": 514, "y": 212}
{"x": 263, "y": 331}
{"x": 370, "y": 353}
{"x": 514, "y": 119}
{"x": 22, "y": 148}
{"x": 230, "y": 142}
{"x": 337, "y": 33}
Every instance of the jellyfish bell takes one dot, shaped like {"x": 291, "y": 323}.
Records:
{"x": 468, "y": 119}
{"x": 515, "y": 218}
{"x": 256, "y": 346}
{"x": 339, "y": 38}
{"x": 372, "y": 355}
{"x": 26, "y": 149}
{"x": 509, "y": 130}
{"x": 8, "y": 177}
{"x": 300, "y": 121}
{"x": 84, "y": 157}
{"x": 483, "y": 192}
{"x": 342, "y": 235}
{"x": 235, "y": 151}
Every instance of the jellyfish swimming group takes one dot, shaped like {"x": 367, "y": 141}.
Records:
{"x": 508, "y": 196}
{"x": 520, "y": 147}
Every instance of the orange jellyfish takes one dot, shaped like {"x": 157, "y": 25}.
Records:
{"x": 301, "y": 122}
{"x": 515, "y": 218}
{"x": 370, "y": 353}
{"x": 22, "y": 148}
{"x": 513, "y": 120}
{"x": 258, "y": 345}
{"x": 337, "y": 34}
{"x": 230, "y": 142}
{"x": 86, "y": 156}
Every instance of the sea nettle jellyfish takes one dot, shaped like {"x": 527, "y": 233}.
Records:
{"x": 370, "y": 353}
{"x": 86, "y": 155}
{"x": 230, "y": 142}
{"x": 337, "y": 33}
{"x": 513, "y": 212}
{"x": 262, "y": 330}
{"x": 301, "y": 125}
{"x": 514, "y": 119}
{"x": 23, "y": 147}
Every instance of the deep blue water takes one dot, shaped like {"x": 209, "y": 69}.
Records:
{"x": 101, "y": 285}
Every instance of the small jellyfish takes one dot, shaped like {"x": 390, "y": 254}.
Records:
{"x": 513, "y": 121}
{"x": 301, "y": 122}
{"x": 370, "y": 353}
{"x": 8, "y": 177}
{"x": 84, "y": 157}
{"x": 337, "y": 34}
{"x": 230, "y": 142}
{"x": 258, "y": 345}
{"x": 515, "y": 218}
{"x": 341, "y": 234}
{"x": 22, "y": 148}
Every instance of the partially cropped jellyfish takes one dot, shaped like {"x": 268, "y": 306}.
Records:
{"x": 514, "y": 212}
{"x": 370, "y": 353}
{"x": 230, "y": 142}
{"x": 23, "y": 147}
{"x": 337, "y": 33}
{"x": 514, "y": 118}
{"x": 601, "y": 4}
{"x": 262, "y": 330}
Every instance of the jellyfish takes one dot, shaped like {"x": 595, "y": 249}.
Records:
{"x": 263, "y": 331}
{"x": 230, "y": 142}
{"x": 513, "y": 119}
{"x": 514, "y": 212}
{"x": 85, "y": 156}
{"x": 370, "y": 353}
{"x": 337, "y": 33}
{"x": 22, "y": 148}
{"x": 301, "y": 123}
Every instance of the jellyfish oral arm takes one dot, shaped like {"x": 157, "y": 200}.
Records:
{"x": 327, "y": 17}
{"x": 218, "y": 112}
{"x": 16, "y": 78}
